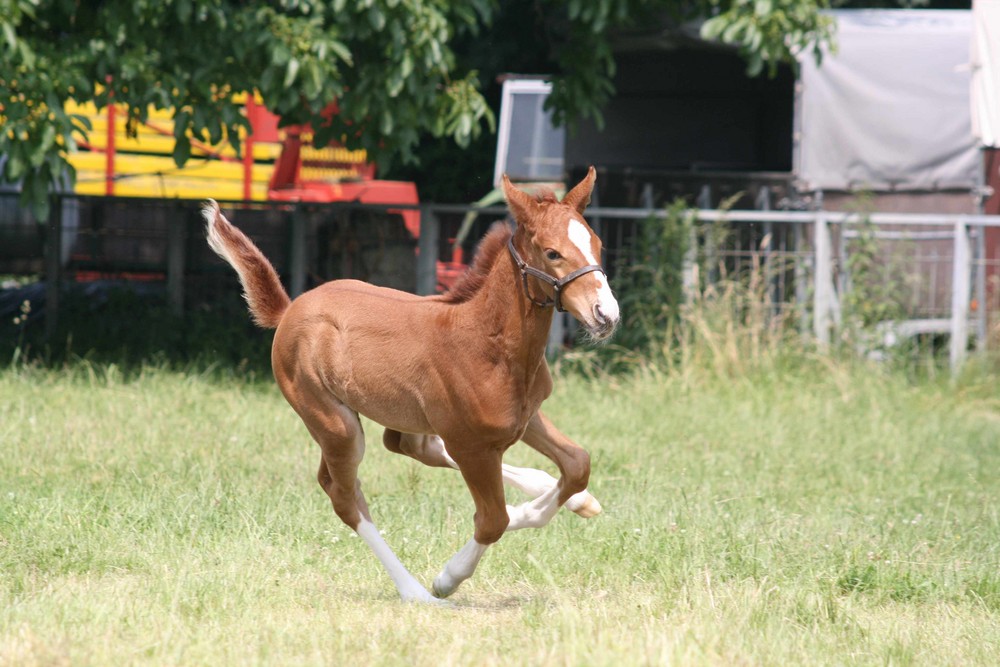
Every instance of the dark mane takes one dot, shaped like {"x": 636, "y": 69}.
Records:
{"x": 472, "y": 280}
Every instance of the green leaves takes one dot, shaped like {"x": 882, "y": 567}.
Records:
{"x": 35, "y": 128}
{"x": 41, "y": 150}
{"x": 770, "y": 32}
{"x": 388, "y": 65}
{"x": 462, "y": 112}
{"x": 182, "y": 149}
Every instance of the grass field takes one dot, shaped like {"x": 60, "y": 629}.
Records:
{"x": 824, "y": 514}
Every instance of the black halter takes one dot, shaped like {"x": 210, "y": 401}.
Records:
{"x": 557, "y": 283}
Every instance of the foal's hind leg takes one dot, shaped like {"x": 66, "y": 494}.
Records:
{"x": 337, "y": 430}
{"x": 430, "y": 450}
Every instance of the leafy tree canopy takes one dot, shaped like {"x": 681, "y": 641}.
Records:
{"x": 389, "y": 64}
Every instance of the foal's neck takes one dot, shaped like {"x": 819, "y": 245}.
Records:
{"x": 509, "y": 319}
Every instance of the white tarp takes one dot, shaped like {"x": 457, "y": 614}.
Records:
{"x": 891, "y": 108}
{"x": 986, "y": 71}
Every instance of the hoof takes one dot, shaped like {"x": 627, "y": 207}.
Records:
{"x": 443, "y": 588}
{"x": 584, "y": 504}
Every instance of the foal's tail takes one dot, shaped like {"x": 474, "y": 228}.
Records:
{"x": 262, "y": 288}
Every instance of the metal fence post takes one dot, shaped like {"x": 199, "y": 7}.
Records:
{"x": 427, "y": 249}
{"x": 982, "y": 323}
{"x": 801, "y": 273}
{"x": 297, "y": 254}
{"x": 556, "y": 334}
{"x": 823, "y": 294}
{"x": 982, "y": 316}
{"x": 689, "y": 266}
{"x": 763, "y": 203}
{"x": 960, "y": 286}
{"x": 176, "y": 238}
{"x": 53, "y": 266}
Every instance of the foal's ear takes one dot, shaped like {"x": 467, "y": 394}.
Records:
{"x": 521, "y": 204}
{"x": 579, "y": 196}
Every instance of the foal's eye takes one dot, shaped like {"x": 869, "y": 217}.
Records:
{"x": 552, "y": 255}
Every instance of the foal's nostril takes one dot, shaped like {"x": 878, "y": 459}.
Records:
{"x": 599, "y": 314}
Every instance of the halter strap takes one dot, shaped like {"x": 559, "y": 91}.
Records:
{"x": 557, "y": 284}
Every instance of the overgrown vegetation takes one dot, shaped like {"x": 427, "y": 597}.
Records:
{"x": 685, "y": 304}
{"x": 650, "y": 288}
{"x": 688, "y": 302}
{"x": 875, "y": 293}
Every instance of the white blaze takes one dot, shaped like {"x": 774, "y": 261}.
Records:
{"x": 579, "y": 235}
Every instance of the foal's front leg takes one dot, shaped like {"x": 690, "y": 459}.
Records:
{"x": 573, "y": 462}
{"x": 484, "y": 476}
{"x": 430, "y": 450}
{"x": 482, "y": 473}
{"x": 571, "y": 488}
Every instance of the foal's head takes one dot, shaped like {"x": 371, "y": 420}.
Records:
{"x": 554, "y": 239}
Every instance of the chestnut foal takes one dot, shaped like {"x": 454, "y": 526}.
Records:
{"x": 455, "y": 379}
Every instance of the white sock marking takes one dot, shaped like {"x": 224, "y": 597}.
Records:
{"x": 528, "y": 480}
{"x": 536, "y": 513}
{"x": 459, "y": 568}
{"x": 444, "y": 452}
{"x": 409, "y": 588}
{"x": 536, "y": 482}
